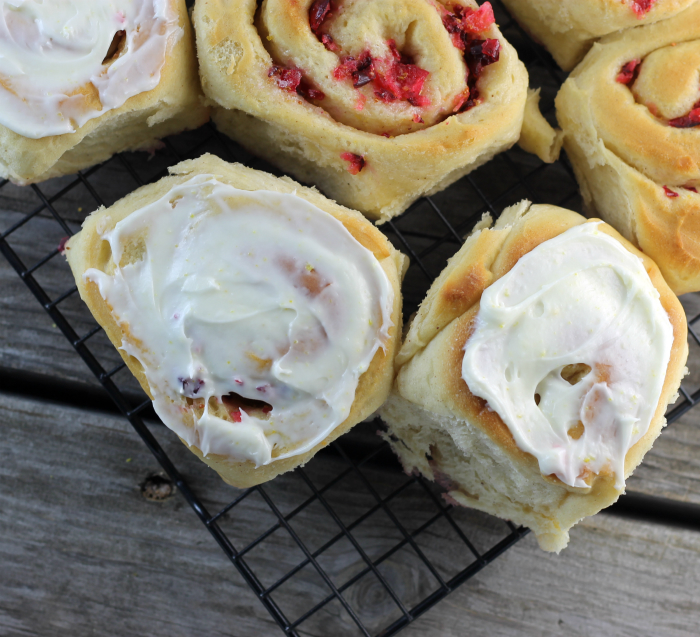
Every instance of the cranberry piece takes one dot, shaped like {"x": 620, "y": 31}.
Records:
{"x": 267, "y": 409}
{"x": 628, "y": 72}
{"x": 62, "y": 245}
{"x": 356, "y": 162}
{"x": 642, "y": 7}
{"x": 482, "y": 53}
{"x": 687, "y": 121}
{"x": 691, "y": 188}
{"x": 318, "y": 13}
{"x": 236, "y": 415}
{"x": 329, "y": 42}
{"x": 418, "y": 119}
{"x": 287, "y": 79}
{"x": 310, "y": 93}
{"x": 670, "y": 193}
{"x": 478, "y": 21}
{"x": 191, "y": 386}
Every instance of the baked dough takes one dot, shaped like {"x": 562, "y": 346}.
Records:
{"x": 438, "y": 426}
{"x": 233, "y": 434}
{"x": 568, "y": 28}
{"x": 34, "y": 146}
{"x": 360, "y": 143}
{"x": 623, "y": 112}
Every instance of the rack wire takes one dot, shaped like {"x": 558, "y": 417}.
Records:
{"x": 378, "y": 519}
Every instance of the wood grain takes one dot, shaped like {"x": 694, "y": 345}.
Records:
{"x": 84, "y": 553}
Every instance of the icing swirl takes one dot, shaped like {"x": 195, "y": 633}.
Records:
{"x": 65, "y": 62}
{"x": 241, "y": 299}
{"x": 570, "y": 348}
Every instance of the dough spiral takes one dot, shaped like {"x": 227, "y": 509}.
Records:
{"x": 376, "y": 101}
{"x": 630, "y": 115}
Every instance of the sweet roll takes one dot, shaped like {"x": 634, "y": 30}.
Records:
{"x": 631, "y": 119}
{"x": 83, "y": 79}
{"x": 537, "y": 371}
{"x": 569, "y": 28}
{"x": 261, "y": 318}
{"x": 377, "y": 102}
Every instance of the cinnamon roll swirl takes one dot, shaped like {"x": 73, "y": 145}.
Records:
{"x": 537, "y": 371}
{"x": 83, "y": 79}
{"x": 377, "y": 102}
{"x": 260, "y": 317}
{"x": 631, "y": 119}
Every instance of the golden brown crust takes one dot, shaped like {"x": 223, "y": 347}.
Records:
{"x": 306, "y": 141}
{"x": 174, "y": 105}
{"x": 626, "y": 156}
{"x": 538, "y": 225}
{"x": 568, "y": 28}
{"x": 87, "y": 250}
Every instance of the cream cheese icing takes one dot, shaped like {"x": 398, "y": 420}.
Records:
{"x": 258, "y": 294}
{"x": 50, "y": 49}
{"x": 578, "y": 299}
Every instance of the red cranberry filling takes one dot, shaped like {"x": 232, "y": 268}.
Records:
{"x": 669, "y": 192}
{"x": 355, "y": 162}
{"x": 235, "y": 403}
{"x": 628, "y": 73}
{"x": 191, "y": 386}
{"x": 395, "y": 78}
{"x": 463, "y": 24}
{"x": 318, "y": 13}
{"x": 691, "y": 188}
{"x": 687, "y": 121}
{"x": 291, "y": 80}
{"x": 642, "y": 7}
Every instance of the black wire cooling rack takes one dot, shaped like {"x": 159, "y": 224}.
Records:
{"x": 380, "y": 522}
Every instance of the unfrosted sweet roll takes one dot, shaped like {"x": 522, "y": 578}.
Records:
{"x": 377, "y": 102}
{"x": 631, "y": 114}
{"x": 260, "y": 317}
{"x": 83, "y": 79}
{"x": 537, "y": 371}
{"x": 568, "y": 28}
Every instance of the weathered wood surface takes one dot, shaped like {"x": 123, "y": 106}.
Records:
{"x": 84, "y": 553}
{"x": 30, "y": 342}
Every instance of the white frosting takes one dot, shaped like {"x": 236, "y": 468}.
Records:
{"x": 49, "y": 49}
{"x": 256, "y": 293}
{"x": 578, "y": 298}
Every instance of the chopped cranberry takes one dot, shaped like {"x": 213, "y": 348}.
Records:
{"x": 236, "y": 415}
{"x": 361, "y": 101}
{"x": 62, "y": 245}
{"x": 461, "y": 99}
{"x": 642, "y": 7}
{"x": 478, "y": 21}
{"x": 687, "y": 121}
{"x": 329, "y": 42}
{"x": 628, "y": 72}
{"x": 267, "y": 409}
{"x": 356, "y": 162}
{"x": 481, "y": 53}
{"x": 191, "y": 386}
{"x": 386, "y": 135}
{"x": 318, "y": 13}
{"x": 418, "y": 119}
{"x": 287, "y": 79}
{"x": 670, "y": 193}
{"x": 310, "y": 93}
{"x": 691, "y": 188}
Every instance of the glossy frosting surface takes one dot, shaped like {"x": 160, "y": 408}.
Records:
{"x": 53, "y": 52}
{"x": 258, "y": 294}
{"x": 578, "y": 299}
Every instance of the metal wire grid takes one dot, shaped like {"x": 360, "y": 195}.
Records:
{"x": 429, "y": 232}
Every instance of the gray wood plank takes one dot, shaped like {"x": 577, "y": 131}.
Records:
{"x": 84, "y": 553}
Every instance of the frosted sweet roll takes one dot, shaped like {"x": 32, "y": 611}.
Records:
{"x": 631, "y": 120}
{"x": 569, "y": 28}
{"x": 538, "y": 370}
{"x": 68, "y": 66}
{"x": 376, "y": 101}
{"x": 252, "y": 313}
